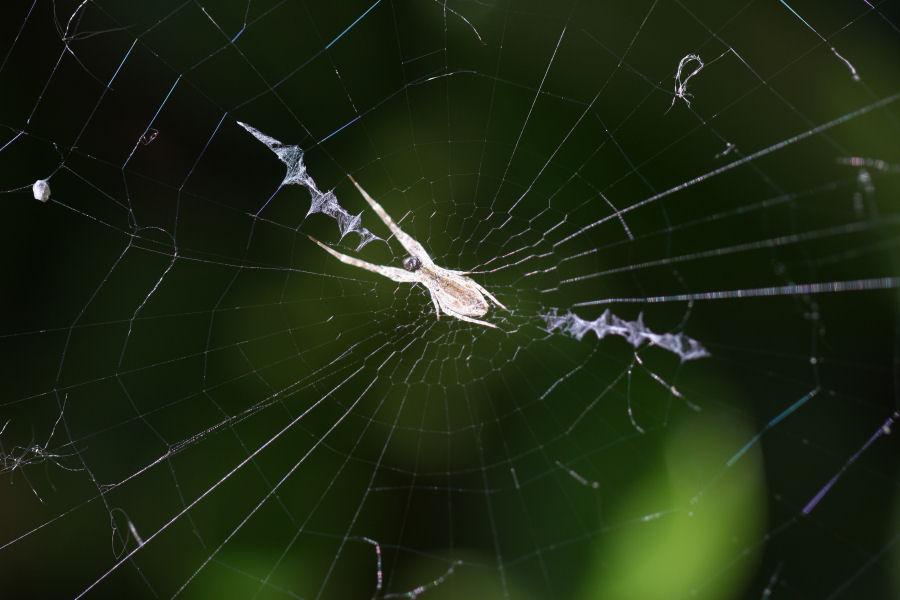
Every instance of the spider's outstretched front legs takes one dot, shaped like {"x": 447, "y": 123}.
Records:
{"x": 392, "y": 273}
{"x": 407, "y": 241}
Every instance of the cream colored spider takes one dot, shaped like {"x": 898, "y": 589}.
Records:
{"x": 451, "y": 291}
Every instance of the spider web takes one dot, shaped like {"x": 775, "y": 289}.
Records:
{"x": 689, "y": 209}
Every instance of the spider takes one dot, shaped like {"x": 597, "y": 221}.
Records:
{"x": 451, "y": 291}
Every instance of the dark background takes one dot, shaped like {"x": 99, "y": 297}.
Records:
{"x": 167, "y": 302}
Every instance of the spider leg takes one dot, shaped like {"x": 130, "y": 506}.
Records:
{"x": 409, "y": 243}
{"x": 437, "y": 307}
{"x": 488, "y": 294}
{"x": 471, "y": 320}
{"x": 392, "y": 273}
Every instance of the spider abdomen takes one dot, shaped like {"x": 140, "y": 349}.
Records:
{"x": 456, "y": 294}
